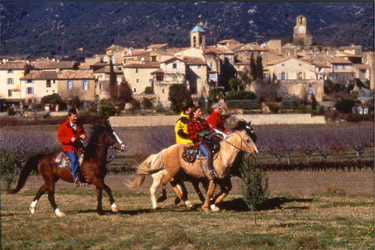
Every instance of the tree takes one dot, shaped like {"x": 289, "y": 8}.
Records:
{"x": 259, "y": 68}
{"x": 233, "y": 84}
{"x": 313, "y": 102}
{"x": 253, "y": 68}
{"x": 178, "y": 96}
{"x": 227, "y": 72}
{"x": 125, "y": 95}
{"x": 113, "y": 88}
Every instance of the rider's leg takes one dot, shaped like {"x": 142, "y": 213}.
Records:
{"x": 205, "y": 148}
{"x": 74, "y": 161}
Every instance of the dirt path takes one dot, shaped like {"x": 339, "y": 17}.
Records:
{"x": 294, "y": 183}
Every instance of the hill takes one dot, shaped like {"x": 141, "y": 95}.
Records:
{"x": 50, "y": 28}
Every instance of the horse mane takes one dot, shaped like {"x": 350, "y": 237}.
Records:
{"x": 90, "y": 149}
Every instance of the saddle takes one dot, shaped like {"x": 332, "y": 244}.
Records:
{"x": 61, "y": 160}
{"x": 190, "y": 153}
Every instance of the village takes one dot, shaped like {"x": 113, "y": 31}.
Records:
{"x": 300, "y": 70}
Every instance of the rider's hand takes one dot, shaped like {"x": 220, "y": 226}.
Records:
{"x": 83, "y": 137}
{"x": 73, "y": 139}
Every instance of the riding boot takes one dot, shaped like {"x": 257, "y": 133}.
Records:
{"x": 211, "y": 171}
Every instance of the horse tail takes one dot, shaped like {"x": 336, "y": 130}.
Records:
{"x": 30, "y": 166}
{"x": 152, "y": 164}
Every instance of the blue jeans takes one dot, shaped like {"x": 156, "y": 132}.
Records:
{"x": 74, "y": 161}
{"x": 205, "y": 148}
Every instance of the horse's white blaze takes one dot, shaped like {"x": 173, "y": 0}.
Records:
{"x": 32, "y": 207}
{"x": 255, "y": 146}
{"x": 114, "y": 208}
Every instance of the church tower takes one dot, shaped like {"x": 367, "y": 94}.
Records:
{"x": 197, "y": 37}
{"x": 300, "y": 36}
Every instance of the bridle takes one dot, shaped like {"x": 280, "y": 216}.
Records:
{"x": 242, "y": 141}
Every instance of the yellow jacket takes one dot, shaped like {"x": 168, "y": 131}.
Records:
{"x": 181, "y": 129}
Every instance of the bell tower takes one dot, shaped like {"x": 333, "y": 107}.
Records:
{"x": 197, "y": 37}
{"x": 300, "y": 36}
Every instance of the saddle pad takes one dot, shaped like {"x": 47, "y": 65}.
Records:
{"x": 61, "y": 160}
{"x": 190, "y": 154}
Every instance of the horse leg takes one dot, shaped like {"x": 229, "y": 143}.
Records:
{"x": 197, "y": 190}
{"x": 108, "y": 190}
{"x": 211, "y": 190}
{"x": 156, "y": 182}
{"x": 166, "y": 178}
{"x": 226, "y": 186}
{"x": 180, "y": 187}
{"x": 51, "y": 198}
{"x": 99, "y": 194}
{"x": 40, "y": 192}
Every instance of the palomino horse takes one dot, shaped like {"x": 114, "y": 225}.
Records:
{"x": 226, "y": 183}
{"x": 171, "y": 159}
{"x": 93, "y": 169}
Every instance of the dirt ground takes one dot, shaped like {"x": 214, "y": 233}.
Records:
{"x": 293, "y": 183}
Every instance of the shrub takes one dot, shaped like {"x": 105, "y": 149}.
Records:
{"x": 149, "y": 90}
{"x": 240, "y": 95}
{"x": 255, "y": 184}
{"x": 178, "y": 96}
{"x": 136, "y": 105}
{"x": 8, "y": 166}
{"x": 106, "y": 108}
{"x": 344, "y": 106}
{"x": 146, "y": 103}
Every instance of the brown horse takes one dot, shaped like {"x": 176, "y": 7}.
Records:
{"x": 93, "y": 169}
{"x": 171, "y": 159}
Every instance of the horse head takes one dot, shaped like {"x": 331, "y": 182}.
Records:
{"x": 106, "y": 136}
{"x": 246, "y": 144}
{"x": 243, "y": 125}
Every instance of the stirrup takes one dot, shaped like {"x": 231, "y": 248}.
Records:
{"x": 77, "y": 183}
{"x": 212, "y": 174}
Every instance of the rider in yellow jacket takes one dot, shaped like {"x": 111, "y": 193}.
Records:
{"x": 181, "y": 126}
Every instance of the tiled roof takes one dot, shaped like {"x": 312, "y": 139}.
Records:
{"x": 194, "y": 61}
{"x": 40, "y": 75}
{"x": 227, "y": 41}
{"x": 171, "y": 59}
{"x": 157, "y": 71}
{"x": 157, "y": 46}
{"x": 14, "y": 65}
{"x": 54, "y": 65}
{"x": 338, "y": 60}
{"x": 115, "y": 47}
{"x": 106, "y": 69}
{"x": 362, "y": 66}
{"x": 251, "y": 48}
{"x": 143, "y": 65}
{"x": 137, "y": 53}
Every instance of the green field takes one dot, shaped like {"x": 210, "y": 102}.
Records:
{"x": 302, "y": 213}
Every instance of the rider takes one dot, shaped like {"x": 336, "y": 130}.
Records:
{"x": 181, "y": 126}
{"x": 201, "y": 134}
{"x": 215, "y": 120}
{"x": 69, "y": 134}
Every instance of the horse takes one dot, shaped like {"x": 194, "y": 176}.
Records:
{"x": 171, "y": 160}
{"x": 93, "y": 169}
{"x": 240, "y": 125}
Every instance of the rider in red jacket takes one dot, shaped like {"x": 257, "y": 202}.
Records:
{"x": 215, "y": 119}
{"x": 69, "y": 134}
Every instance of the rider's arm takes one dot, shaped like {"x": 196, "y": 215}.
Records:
{"x": 61, "y": 136}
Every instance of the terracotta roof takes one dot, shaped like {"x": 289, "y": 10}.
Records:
{"x": 40, "y": 75}
{"x": 157, "y": 71}
{"x": 224, "y": 51}
{"x": 338, "y": 60}
{"x": 137, "y": 53}
{"x": 171, "y": 59}
{"x": 106, "y": 69}
{"x": 227, "y": 41}
{"x": 13, "y": 65}
{"x": 76, "y": 74}
{"x": 115, "y": 47}
{"x": 143, "y": 65}
{"x": 349, "y": 47}
{"x": 285, "y": 59}
{"x": 362, "y": 66}
{"x": 157, "y": 46}
{"x": 194, "y": 61}
{"x": 54, "y": 65}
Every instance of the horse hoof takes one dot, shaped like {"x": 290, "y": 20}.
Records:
{"x": 177, "y": 201}
{"x": 161, "y": 199}
{"x": 32, "y": 210}
{"x": 114, "y": 208}
{"x": 206, "y": 210}
{"x": 100, "y": 212}
{"x": 188, "y": 204}
{"x": 59, "y": 213}
{"x": 214, "y": 208}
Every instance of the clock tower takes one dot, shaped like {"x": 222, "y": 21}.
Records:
{"x": 300, "y": 36}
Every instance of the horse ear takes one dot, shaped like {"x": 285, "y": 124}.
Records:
{"x": 250, "y": 123}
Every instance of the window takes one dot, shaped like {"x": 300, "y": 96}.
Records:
{"x": 137, "y": 80}
{"x": 135, "y": 90}
{"x": 282, "y": 65}
{"x": 10, "y": 81}
{"x": 343, "y": 66}
{"x": 149, "y": 80}
{"x": 162, "y": 91}
{"x": 29, "y": 81}
{"x": 153, "y": 58}
{"x": 210, "y": 64}
{"x": 136, "y": 70}
{"x": 336, "y": 67}
{"x": 343, "y": 78}
{"x": 282, "y": 75}
{"x": 10, "y": 71}
{"x": 69, "y": 84}
{"x": 287, "y": 53}
{"x": 199, "y": 66}
{"x": 48, "y": 83}
{"x": 174, "y": 77}
{"x": 9, "y": 92}
{"x": 85, "y": 84}
{"x": 300, "y": 64}
{"x": 300, "y": 76}
{"x": 29, "y": 90}
{"x": 175, "y": 65}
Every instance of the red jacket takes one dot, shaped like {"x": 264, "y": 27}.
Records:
{"x": 216, "y": 121}
{"x": 65, "y": 134}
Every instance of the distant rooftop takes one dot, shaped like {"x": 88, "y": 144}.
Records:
{"x": 197, "y": 28}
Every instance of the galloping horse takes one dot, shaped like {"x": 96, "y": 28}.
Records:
{"x": 93, "y": 169}
{"x": 171, "y": 160}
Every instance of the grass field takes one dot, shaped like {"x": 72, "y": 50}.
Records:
{"x": 306, "y": 210}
